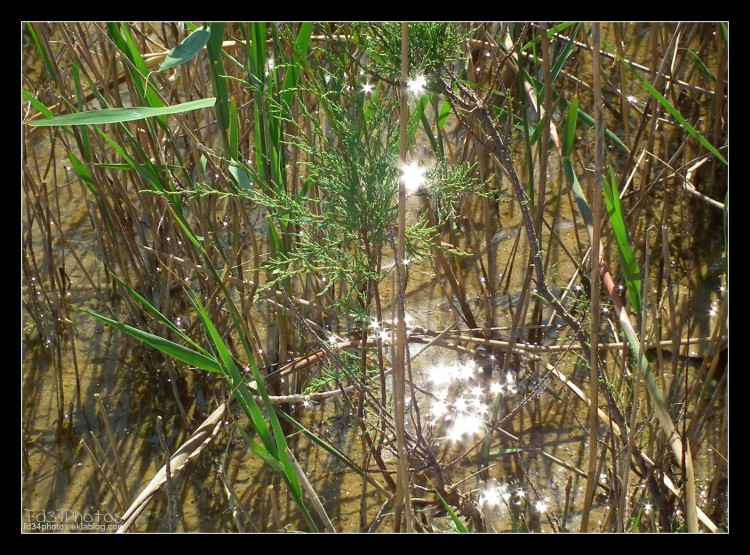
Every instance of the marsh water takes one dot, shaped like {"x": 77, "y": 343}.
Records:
{"x": 87, "y": 469}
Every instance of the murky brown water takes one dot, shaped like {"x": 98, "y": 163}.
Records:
{"x": 228, "y": 488}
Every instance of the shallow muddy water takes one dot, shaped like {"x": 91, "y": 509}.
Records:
{"x": 95, "y": 404}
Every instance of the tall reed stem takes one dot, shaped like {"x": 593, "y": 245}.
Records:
{"x": 403, "y": 500}
{"x": 595, "y": 262}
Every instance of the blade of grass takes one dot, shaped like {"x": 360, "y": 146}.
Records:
{"x": 369, "y": 107}
{"x": 565, "y": 54}
{"x": 331, "y": 450}
{"x": 174, "y": 350}
{"x": 627, "y": 256}
{"x": 701, "y": 65}
{"x": 85, "y": 141}
{"x": 588, "y": 121}
{"x": 138, "y": 69}
{"x": 274, "y": 445}
{"x": 157, "y": 315}
{"x": 637, "y": 518}
{"x": 293, "y": 70}
{"x": 674, "y": 112}
{"x": 550, "y": 34}
{"x": 187, "y": 49}
{"x": 119, "y": 115}
{"x": 219, "y": 80}
{"x": 231, "y": 371}
{"x": 255, "y": 42}
{"x": 428, "y": 131}
{"x": 444, "y": 112}
{"x": 570, "y": 130}
{"x": 83, "y": 172}
{"x": 234, "y": 130}
{"x": 46, "y": 112}
{"x": 42, "y": 52}
{"x": 460, "y": 526}
{"x": 416, "y": 116}
{"x": 261, "y": 451}
{"x": 570, "y": 174}
{"x": 240, "y": 174}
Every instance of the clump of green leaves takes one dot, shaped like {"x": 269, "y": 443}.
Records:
{"x": 449, "y": 184}
{"x": 352, "y": 177}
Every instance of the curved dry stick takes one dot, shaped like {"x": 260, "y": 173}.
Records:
{"x": 316, "y": 503}
{"x": 187, "y": 451}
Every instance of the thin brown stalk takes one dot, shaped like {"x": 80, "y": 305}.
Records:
{"x": 402, "y": 501}
{"x": 566, "y": 508}
{"x": 546, "y": 113}
{"x": 540, "y": 196}
{"x": 99, "y": 467}
{"x": 672, "y": 311}
{"x": 699, "y": 392}
{"x": 624, "y": 103}
{"x": 719, "y": 121}
{"x": 31, "y": 182}
{"x": 456, "y": 285}
{"x": 234, "y": 503}
{"x": 122, "y": 481}
{"x": 317, "y": 505}
{"x": 52, "y": 294}
{"x": 687, "y": 462}
{"x": 636, "y": 394}
{"x": 275, "y": 512}
{"x": 595, "y": 258}
{"x": 168, "y": 473}
{"x": 720, "y": 461}
{"x": 691, "y": 507}
{"x": 490, "y": 225}
{"x": 518, "y": 318}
